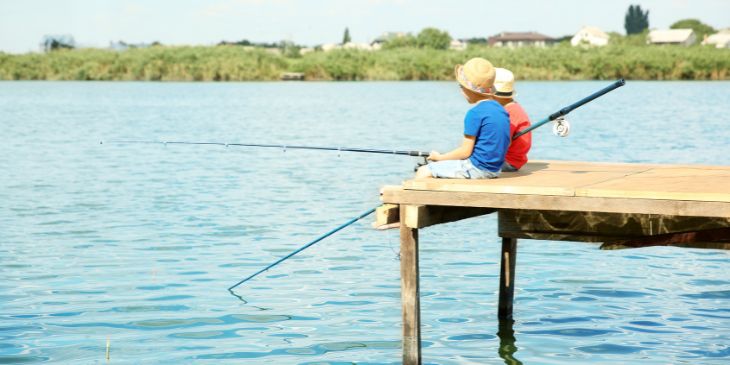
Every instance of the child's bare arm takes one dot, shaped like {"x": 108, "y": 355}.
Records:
{"x": 459, "y": 153}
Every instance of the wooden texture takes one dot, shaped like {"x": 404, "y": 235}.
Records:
{"x": 679, "y": 183}
{"x": 598, "y": 227}
{"x": 584, "y": 186}
{"x": 507, "y": 278}
{"x": 410, "y": 292}
{"x": 398, "y": 195}
{"x": 710, "y": 238}
{"x": 386, "y": 214}
{"x": 421, "y": 216}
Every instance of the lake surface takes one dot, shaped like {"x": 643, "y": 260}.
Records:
{"x": 136, "y": 244}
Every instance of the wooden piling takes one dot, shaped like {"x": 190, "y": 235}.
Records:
{"x": 410, "y": 292}
{"x": 507, "y": 278}
{"x": 627, "y": 205}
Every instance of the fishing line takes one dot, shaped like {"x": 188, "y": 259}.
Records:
{"x": 283, "y": 147}
{"x": 320, "y": 238}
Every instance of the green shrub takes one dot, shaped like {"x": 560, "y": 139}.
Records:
{"x": 236, "y": 63}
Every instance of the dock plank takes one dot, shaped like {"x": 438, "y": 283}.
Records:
{"x": 679, "y": 190}
{"x": 562, "y": 183}
{"x": 676, "y": 183}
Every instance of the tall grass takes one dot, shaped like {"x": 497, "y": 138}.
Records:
{"x": 234, "y": 63}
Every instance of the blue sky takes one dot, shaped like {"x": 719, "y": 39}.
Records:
{"x": 96, "y": 22}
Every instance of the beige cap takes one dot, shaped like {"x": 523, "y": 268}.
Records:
{"x": 476, "y": 75}
{"x": 504, "y": 83}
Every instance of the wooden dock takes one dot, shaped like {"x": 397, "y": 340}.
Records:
{"x": 618, "y": 205}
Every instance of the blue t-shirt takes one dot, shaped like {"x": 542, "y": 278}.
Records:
{"x": 489, "y": 123}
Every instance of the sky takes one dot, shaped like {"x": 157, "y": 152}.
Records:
{"x": 23, "y": 23}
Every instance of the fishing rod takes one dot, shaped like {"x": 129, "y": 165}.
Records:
{"x": 339, "y": 228}
{"x": 563, "y": 127}
{"x": 284, "y": 147}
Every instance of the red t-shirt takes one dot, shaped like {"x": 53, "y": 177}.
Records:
{"x": 518, "y": 120}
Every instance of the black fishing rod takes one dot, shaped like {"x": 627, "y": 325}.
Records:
{"x": 284, "y": 147}
{"x": 564, "y": 111}
{"x": 562, "y": 130}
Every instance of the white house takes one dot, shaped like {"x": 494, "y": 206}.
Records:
{"x": 683, "y": 37}
{"x": 387, "y": 36}
{"x": 457, "y": 45}
{"x": 590, "y": 36}
{"x": 720, "y": 39}
{"x": 360, "y": 46}
{"x": 330, "y": 46}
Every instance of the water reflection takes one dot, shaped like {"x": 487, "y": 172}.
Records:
{"x": 507, "y": 347}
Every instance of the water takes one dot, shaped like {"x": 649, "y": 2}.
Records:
{"x": 136, "y": 244}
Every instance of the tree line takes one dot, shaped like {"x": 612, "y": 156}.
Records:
{"x": 411, "y": 63}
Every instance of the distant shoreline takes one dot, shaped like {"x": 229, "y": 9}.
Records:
{"x": 234, "y": 63}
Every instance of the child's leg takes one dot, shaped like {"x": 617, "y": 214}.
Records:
{"x": 448, "y": 169}
{"x": 455, "y": 169}
{"x": 508, "y": 168}
{"x": 423, "y": 172}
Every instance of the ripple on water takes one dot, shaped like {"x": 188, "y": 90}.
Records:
{"x": 149, "y": 308}
{"x": 318, "y": 349}
{"x": 471, "y": 337}
{"x": 612, "y": 293}
{"x": 723, "y": 352}
{"x": 608, "y": 348}
{"x": 716, "y": 294}
{"x": 344, "y": 303}
{"x": 168, "y": 323}
{"x": 572, "y": 332}
{"x": 22, "y": 359}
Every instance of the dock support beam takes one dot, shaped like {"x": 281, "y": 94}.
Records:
{"x": 410, "y": 292}
{"x": 507, "y": 278}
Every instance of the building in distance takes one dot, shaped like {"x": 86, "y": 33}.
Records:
{"x": 720, "y": 39}
{"x": 520, "y": 39}
{"x": 682, "y": 37}
{"x": 458, "y": 45}
{"x": 590, "y": 36}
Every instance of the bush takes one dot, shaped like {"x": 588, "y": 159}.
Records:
{"x": 233, "y": 63}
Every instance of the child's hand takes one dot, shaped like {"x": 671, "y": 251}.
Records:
{"x": 434, "y": 156}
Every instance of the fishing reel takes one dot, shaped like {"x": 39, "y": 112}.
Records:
{"x": 419, "y": 164}
{"x": 561, "y": 127}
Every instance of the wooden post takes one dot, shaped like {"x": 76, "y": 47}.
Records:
{"x": 507, "y": 278}
{"x": 410, "y": 292}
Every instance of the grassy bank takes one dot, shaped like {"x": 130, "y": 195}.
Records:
{"x": 232, "y": 63}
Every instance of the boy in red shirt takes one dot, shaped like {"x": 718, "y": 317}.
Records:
{"x": 504, "y": 93}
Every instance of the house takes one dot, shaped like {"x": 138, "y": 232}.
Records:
{"x": 385, "y": 37}
{"x": 520, "y": 39}
{"x": 330, "y": 46}
{"x": 123, "y": 46}
{"x": 720, "y": 39}
{"x": 306, "y": 50}
{"x": 349, "y": 45}
{"x": 682, "y": 37}
{"x": 360, "y": 46}
{"x": 457, "y": 45}
{"x": 591, "y": 36}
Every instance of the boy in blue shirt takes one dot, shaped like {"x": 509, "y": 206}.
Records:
{"x": 486, "y": 130}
